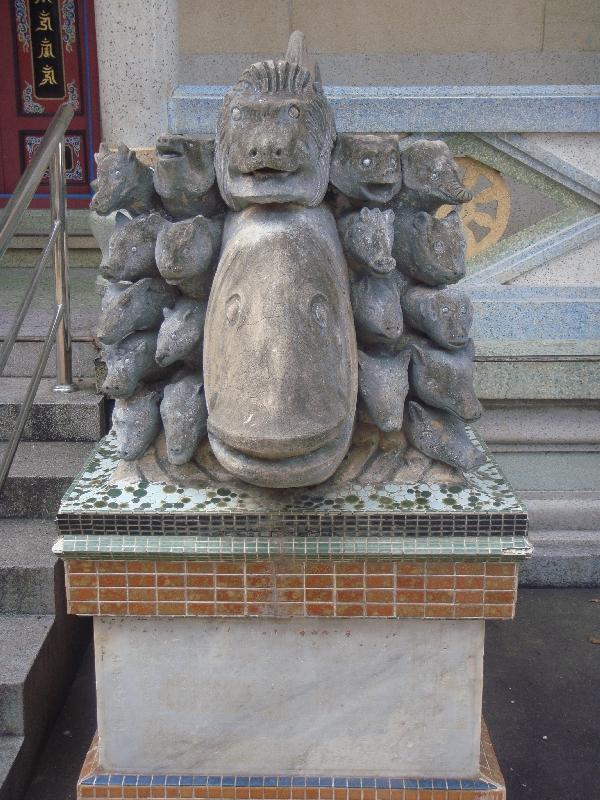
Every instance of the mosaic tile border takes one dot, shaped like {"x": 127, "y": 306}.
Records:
{"x": 96, "y": 503}
{"x": 94, "y": 783}
{"x": 500, "y": 548}
{"x": 291, "y": 588}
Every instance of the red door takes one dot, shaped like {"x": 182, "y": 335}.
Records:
{"x": 48, "y": 57}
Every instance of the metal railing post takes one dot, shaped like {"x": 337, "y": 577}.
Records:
{"x": 58, "y": 181}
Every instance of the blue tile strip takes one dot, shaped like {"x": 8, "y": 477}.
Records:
{"x": 295, "y": 781}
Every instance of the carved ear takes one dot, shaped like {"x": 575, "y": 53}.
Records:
{"x": 416, "y": 412}
{"x": 167, "y": 312}
{"x": 155, "y": 222}
{"x": 123, "y": 150}
{"x": 389, "y": 216}
{"x": 364, "y": 215}
{"x": 104, "y": 151}
{"x": 418, "y": 354}
{"x": 199, "y": 221}
{"x": 452, "y": 220}
{"x": 121, "y": 220}
{"x": 187, "y": 314}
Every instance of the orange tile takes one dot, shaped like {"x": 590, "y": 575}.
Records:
{"x": 469, "y": 568}
{"x": 112, "y": 579}
{"x": 318, "y": 568}
{"x": 142, "y": 609}
{"x": 141, "y": 580}
{"x": 318, "y": 581}
{"x": 414, "y": 794}
{"x": 290, "y": 609}
{"x": 144, "y": 792}
{"x": 504, "y": 582}
{"x": 270, "y": 792}
{"x": 230, "y": 581}
{"x": 83, "y": 581}
{"x": 369, "y": 794}
{"x": 112, "y": 565}
{"x": 410, "y": 568}
{"x": 380, "y": 581}
{"x": 499, "y": 597}
{"x": 242, "y": 792}
{"x": 439, "y": 596}
{"x": 230, "y": 567}
{"x": 107, "y": 595}
{"x": 320, "y": 609}
{"x": 464, "y": 611}
{"x": 440, "y": 582}
{"x": 354, "y": 794}
{"x": 229, "y": 609}
{"x": 200, "y": 567}
{"x": 200, "y": 581}
{"x": 259, "y": 595}
{"x": 439, "y": 568}
{"x": 171, "y": 609}
{"x": 499, "y": 569}
{"x": 434, "y": 610}
{"x": 325, "y": 794}
{"x": 380, "y": 610}
{"x": 141, "y": 566}
{"x": 201, "y": 609}
{"x": 200, "y": 595}
{"x": 85, "y": 609}
{"x": 129, "y": 791}
{"x": 498, "y": 612}
{"x": 349, "y": 596}
{"x": 311, "y": 793}
{"x": 112, "y": 609}
{"x": 170, "y": 566}
{"x": 319, "y": 595}
{"x": 380, "y": 596}
{"x": 171, "y": 595}
{"x": 85, "y": 791}
{"x": 144, "y": 595}
{"x": 83, "y": 594}
{"x": 289, "y": 595}
{"x": 290, "y": 581}
{"x": 76, "y": 565}
{"x": 349, "y": 567}
{"x": 410, "y": 582}
{"x": 468, "y": 596}
{"x": 380, "y": 567}
{"x": 230, "y": 595}
{"x": 259, "y": 581}
{"x": 411, "y": 596}
{"x": 256, "y": 567}
{"x": 410, "y": 610}
{"x": 259, "y": 609}
{"x": 349, "y": 581}
{"x": 469, "y": 582}
{"x": 349, "y": 610}
{"x": 170, "y": 580}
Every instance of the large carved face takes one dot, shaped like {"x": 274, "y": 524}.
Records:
{"x": 184, "y": 164}
{"x": 367, "y": 167}
{"x": 274, "y": 137}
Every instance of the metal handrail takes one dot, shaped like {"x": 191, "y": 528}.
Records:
{"x": 49, "y": 155}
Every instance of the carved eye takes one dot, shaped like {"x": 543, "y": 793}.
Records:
{"x": 117, "y": 172}
{"x": 439, "y": 247}
{"x": 232, "y": 309}
{"x": 294, "y": 112}
{"x": 134, "y": 249}
{"x": 393, "y": 163}
{"x": 365, "y": 162}
{"x": 318, "y": 308}
{"x": 445, "y": 310}
{"x": 435, "y": 177}
{"x": 235, "y": 113}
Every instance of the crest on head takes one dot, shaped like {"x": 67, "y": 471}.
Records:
{"x": 275, "y": 133}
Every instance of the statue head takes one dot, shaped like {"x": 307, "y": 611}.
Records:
{"x": 184, "y": 164}
{"x": 367, "y": 166}
{"x": 275, "y": 132}
{"x": 431, "y": 177}
{"x": 123, "y": 182}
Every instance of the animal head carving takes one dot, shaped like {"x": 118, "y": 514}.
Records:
{"x": 428, "y": 249}
{"x": 184, "y": 164}
{"x": 430, "y": 176}
{"x": 123, "y": 182}
{"x": 275, "y": 132}
{"x": 367, "y": 167}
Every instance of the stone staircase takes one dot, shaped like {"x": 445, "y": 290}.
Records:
{"x": 40, "y": 646}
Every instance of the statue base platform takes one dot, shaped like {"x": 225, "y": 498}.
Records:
{"x": 324, "y": 643}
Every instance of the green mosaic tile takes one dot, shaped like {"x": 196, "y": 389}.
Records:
{"x": 97, "y": 503}
{"x": 490, "y": 548}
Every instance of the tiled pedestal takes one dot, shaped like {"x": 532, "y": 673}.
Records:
{"x": 255, "y": 644}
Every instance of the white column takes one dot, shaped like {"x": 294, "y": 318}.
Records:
{"x": 138, "y": 52}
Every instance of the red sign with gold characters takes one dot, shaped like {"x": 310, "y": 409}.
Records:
{"x": 48, "y": 57}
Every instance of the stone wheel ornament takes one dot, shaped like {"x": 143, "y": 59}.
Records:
{"x": 489, "y": 209}
{"x": 279, "y": 293}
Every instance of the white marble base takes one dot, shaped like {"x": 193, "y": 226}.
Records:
{"x": 261, "y": 696}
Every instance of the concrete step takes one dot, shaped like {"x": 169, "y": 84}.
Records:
{"x": 25, "y": 354}
{"x": 10, "y": 748}
{"x": 563, "y": 558}
{"x": 40, "y": 475}
{"x": 30, "y": 575}
{"x": 38, "y": 658}
{"x": 55, "y": 416}
{"x": 566, "y": 510}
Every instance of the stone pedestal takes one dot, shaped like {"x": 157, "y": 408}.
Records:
{"x": 324, "y": 644}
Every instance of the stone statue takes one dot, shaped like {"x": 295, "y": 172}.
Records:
{"x": 277, "y": 299}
